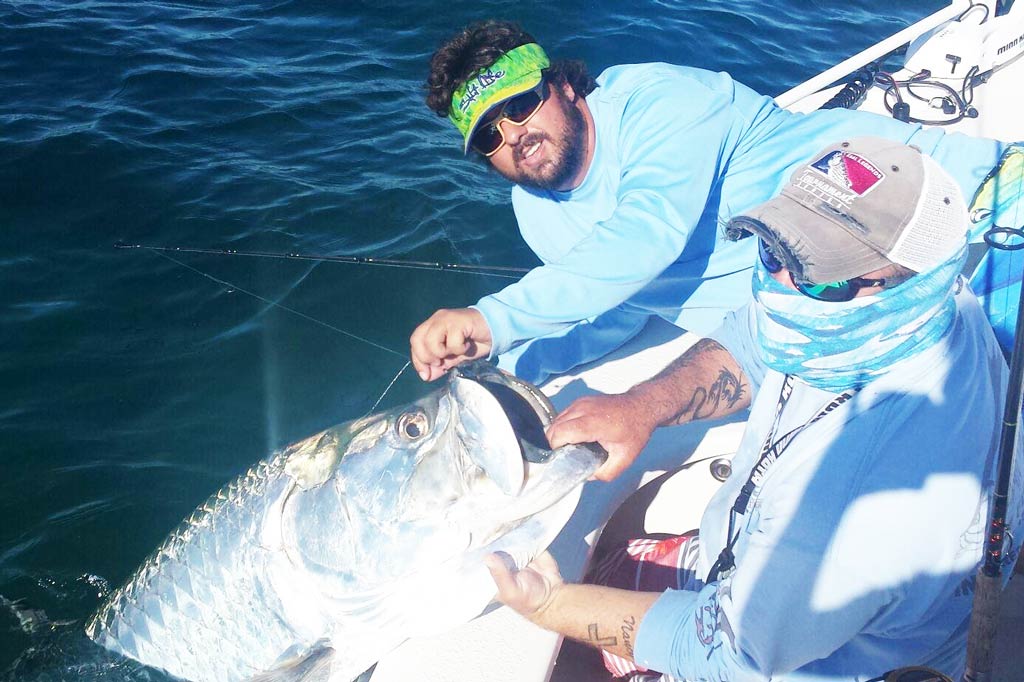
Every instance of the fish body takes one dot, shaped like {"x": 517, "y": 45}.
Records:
{"x": 324, "y": 557}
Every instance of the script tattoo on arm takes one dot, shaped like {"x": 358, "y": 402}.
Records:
{"x": 628, "y": 627}
{"x": 722, "y": 393}
{"x": 597, "y": 640}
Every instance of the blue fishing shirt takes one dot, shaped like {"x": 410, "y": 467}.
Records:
{"x": 678, "y": 152}
{"x": 859, "y": 545}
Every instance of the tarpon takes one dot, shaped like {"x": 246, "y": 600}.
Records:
{"x": 330, "y": 553}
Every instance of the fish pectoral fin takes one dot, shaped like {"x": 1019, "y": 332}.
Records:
{"x": 311, "y": 665}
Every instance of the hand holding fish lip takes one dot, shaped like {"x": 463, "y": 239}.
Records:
{"x": 530, "y": 590}
{"x": 621, "y": 424}
{"x": 448, "y": 338}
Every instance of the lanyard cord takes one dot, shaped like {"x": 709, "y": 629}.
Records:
{"x": 771, "y": 450}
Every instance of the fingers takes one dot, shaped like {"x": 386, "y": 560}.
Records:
{"x": 527, "y": 591}
{"x": 612, "y": 467}
{"x": 575, "y": 424}
{"x": 515, "y": 588}
{"x": 545, "y": 563}
{"x": 502, "y": 570}
{"x": 432, "y": 344}
{"x": 570, "y": 431}
{"x": 609, "y": 420}
{"x": 446, "y": 339}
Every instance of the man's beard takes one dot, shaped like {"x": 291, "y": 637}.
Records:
{"x": 566, "y": 154}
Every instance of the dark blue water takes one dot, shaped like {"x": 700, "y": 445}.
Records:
{"x": 132, "y": 386}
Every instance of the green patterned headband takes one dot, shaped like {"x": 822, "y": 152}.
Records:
{"x": 515, "y": 72}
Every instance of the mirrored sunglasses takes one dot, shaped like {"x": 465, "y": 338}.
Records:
{"x": 832, "y": 292}
{"x": 489, "y": 137}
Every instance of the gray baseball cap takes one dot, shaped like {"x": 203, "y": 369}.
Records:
{"x": 859, "y": 206}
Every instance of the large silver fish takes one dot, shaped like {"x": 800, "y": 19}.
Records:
{"x": 326, "y": 556}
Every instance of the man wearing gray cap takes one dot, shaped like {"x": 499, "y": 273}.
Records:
{"x": 844, "y": 543}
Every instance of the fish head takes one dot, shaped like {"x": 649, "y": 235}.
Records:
{"x": 423, "y": 483}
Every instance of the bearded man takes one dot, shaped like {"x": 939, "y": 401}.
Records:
{"x": 621, "y": 186}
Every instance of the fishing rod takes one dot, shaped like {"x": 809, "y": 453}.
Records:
{"x": 988, "y": 582}
{"x": 490, "y": 270}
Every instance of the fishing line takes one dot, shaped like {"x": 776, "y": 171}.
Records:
{"x": 281, "y": 306}
{"x": 504, "y": 271}
{"x": 404, "y": 367}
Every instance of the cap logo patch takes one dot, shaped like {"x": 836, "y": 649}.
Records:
{"x": 850, "y": 171}
{"x": 476, "y": 86}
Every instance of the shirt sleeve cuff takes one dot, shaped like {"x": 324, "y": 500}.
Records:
{"x": 499, "y": 332}
{"x": 737, "y": 335}
{"x": 654, "y": 641}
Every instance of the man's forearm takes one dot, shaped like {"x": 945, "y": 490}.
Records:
{"x": 705, "y": 382}
{"x": 603, "y": 617}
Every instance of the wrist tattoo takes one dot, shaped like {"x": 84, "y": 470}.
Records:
{"x": 595, "y": 639}
{"x": 628, "y": 627}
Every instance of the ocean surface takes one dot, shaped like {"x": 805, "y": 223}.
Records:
{"x": 134, "y": 384}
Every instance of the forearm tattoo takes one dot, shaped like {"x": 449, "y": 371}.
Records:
{"x": 628, "y": 628}
{"x": 724, "y": 392}
{"x": 597, "y": 640}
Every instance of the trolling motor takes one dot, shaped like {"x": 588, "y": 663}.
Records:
{"x": 974, "y": 45}
{"x": 949, "y": 61}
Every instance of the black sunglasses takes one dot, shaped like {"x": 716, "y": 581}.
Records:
{"x": 489, "y": 137}
{"x": 832, "y": 292}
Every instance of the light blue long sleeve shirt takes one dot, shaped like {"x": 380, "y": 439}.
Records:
{"x": 858, "y": 548}
{"x": 678, "y": 152}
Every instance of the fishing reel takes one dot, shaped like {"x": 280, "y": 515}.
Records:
{"x": 915, "y": 673}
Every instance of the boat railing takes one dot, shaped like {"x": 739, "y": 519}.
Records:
{"x": 826, "y": 78}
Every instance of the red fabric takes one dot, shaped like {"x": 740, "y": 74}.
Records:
{"x": 647, "y": 565}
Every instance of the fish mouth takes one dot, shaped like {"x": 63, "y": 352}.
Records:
{"x": 528, "y": 410}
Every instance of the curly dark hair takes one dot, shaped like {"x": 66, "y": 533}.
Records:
{"x": 478, "y": 46}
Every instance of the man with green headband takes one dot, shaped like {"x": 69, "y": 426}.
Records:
{"x": 621, "y": 186}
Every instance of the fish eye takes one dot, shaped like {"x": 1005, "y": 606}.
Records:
{"x": 412, "y": 425}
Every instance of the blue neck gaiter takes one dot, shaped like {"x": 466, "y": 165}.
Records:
{"x": 838, "y": 346}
